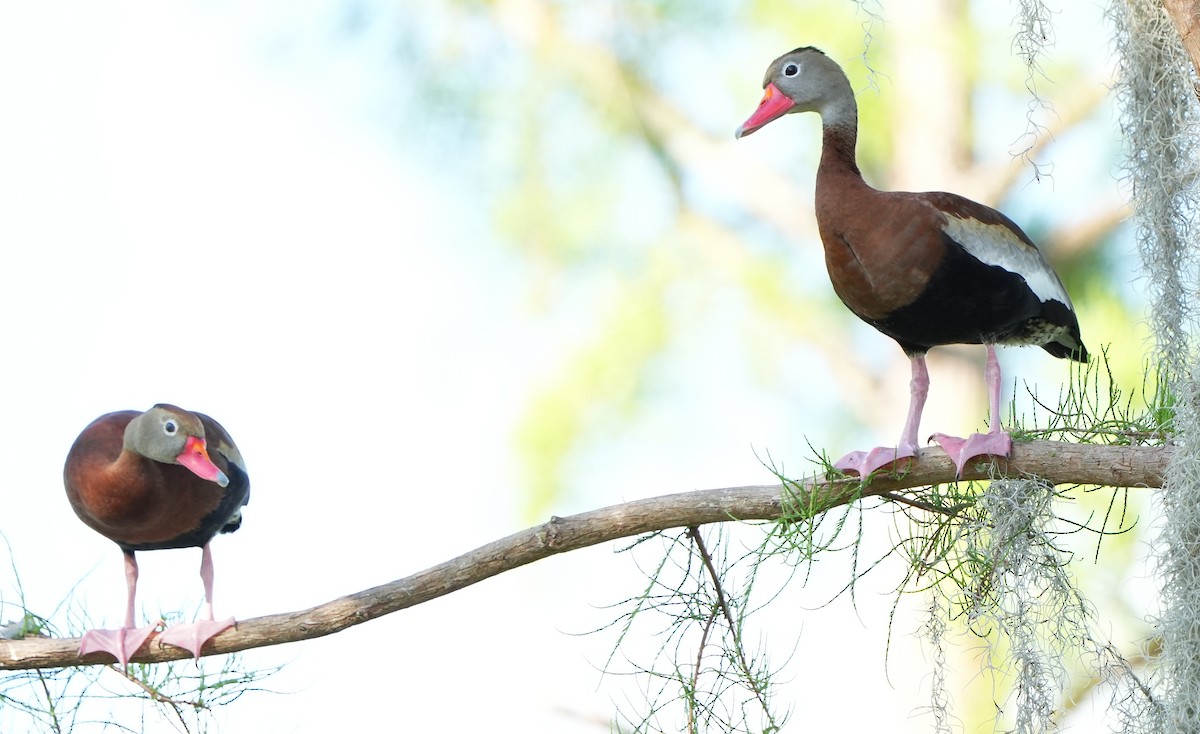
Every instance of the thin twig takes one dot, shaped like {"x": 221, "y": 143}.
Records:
{"x": 708, "y": 625}
{"x": 923, "y": 505}
{"x": 694, "y": 532}
{"x": 51, "y": 709}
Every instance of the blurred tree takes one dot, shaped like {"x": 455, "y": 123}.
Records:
{"x": 607, "y": 133}
{"x": 600, "y": 136}
{"x": 598, "y": 139}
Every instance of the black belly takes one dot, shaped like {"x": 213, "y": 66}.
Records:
{"x": 970, "y": 302}
{"x": 224, "y": 519}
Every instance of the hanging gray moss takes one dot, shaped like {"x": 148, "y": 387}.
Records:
{"x": 1156, "y": 91}
{"x": 1022, "y": 601}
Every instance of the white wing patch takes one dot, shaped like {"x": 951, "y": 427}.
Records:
{"x": 998, "y": 245}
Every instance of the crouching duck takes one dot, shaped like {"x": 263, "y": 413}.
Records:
{"x": 165, "y": 478}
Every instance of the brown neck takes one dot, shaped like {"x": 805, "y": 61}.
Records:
{"x": 837, "y": 152}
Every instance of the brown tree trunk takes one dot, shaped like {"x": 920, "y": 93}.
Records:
{"x": 931, "y": 93}
{"x": 1186, "y": 16}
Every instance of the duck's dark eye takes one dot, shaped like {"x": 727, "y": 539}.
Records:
{"x": 791, "y": 70}
{"x": 170, "y": 427}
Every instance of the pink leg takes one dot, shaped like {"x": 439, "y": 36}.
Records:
{"x": 865, "y": 462}
{"x": 996, "y": 442}
{"x": 120, "y": 643}
{"x": 991, "y": 377}
{"x": 206, "y": 578}
{"x": 131, "y": 579}
{"x": 191, "y": 637}
{"x": 918, "y": 389}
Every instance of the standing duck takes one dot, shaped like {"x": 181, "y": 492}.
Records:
{"x": 923, "y": 268}
{"x": 161, "y": 479}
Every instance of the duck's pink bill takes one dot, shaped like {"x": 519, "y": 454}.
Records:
{"x": 195, "y": 458}
{"x": 773, "y": 106}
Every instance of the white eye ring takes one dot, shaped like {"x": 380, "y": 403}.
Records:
{"x": 791, "y": 70}
{"x": 170, "y": 427}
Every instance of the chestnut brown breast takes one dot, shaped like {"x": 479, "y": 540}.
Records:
{"x": 142, "y": 504}
{"x": 880, "y": 249}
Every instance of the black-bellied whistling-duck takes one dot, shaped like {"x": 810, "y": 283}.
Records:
{"x": 923, "y": 268}
{"x": 161, "y": 479}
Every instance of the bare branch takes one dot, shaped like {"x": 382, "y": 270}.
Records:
{"x": 1057, "y": 463}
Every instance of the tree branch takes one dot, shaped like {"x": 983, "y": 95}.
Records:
{"x": 1057, "y": 463}
{"x": 1185, "y": 14}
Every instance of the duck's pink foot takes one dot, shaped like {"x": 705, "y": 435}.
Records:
{"x": 191, "y": 637}
{"x": 865, "y": 462}
{"x": 120, "y": 643}
{"x": 962, "y": 450}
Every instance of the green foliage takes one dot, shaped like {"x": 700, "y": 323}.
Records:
{"x": 704, "y": 677}
{"x": 994, "y": 558}
{"x": 1093, "y": 408}
{"x": 183, "y": 695}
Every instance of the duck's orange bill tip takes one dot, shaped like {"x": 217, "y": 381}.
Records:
{"x": 773, "y": 105}
{"x": 195, "y": 457}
